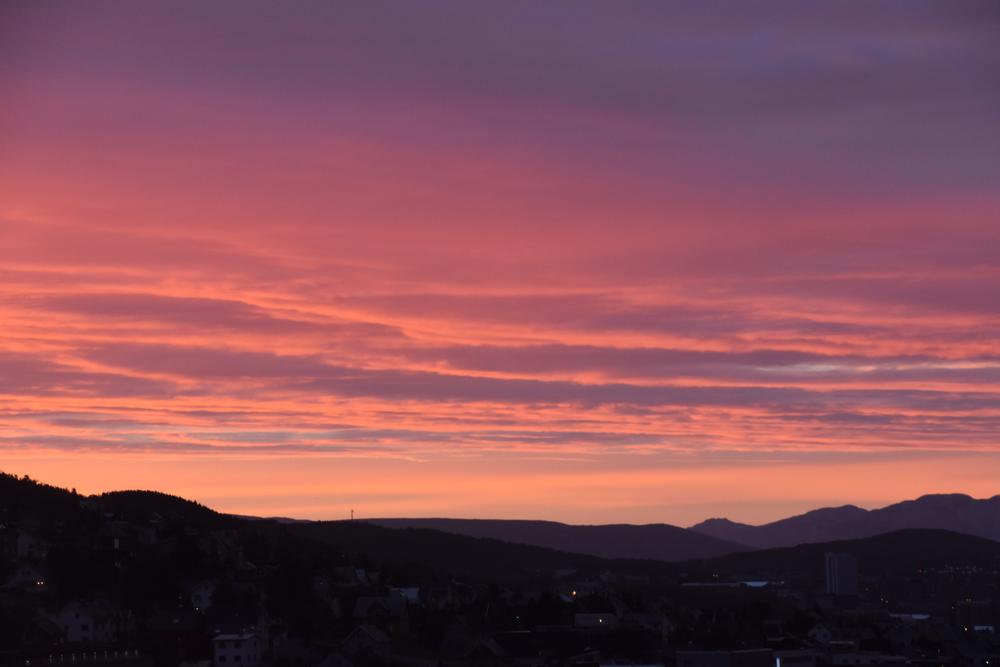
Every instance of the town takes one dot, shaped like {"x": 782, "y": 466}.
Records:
{"x": 136, "y": 578}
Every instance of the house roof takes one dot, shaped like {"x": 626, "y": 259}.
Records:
{"x": 245, "y": 635}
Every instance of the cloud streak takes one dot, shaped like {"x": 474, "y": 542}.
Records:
{"x": 615, "y": 238}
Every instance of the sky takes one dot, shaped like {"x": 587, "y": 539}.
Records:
{"x": 585, "y": 261}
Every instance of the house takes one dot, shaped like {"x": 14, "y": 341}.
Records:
{"x": 30, "y": 578}
{"x": 201, "y": 593}
{"x": 388, "y": 613}
{"x": 30, "y": 546}
{"x": 461, "y": 646}
{"x": 486, "y": 652}
{"x": 372, "y": 610}
{"x": 410, "y": 593}
{"x": 90, "y": 621}
{"x": 866, "y": 658}
{"x": 236, "y": 649}
{"x": 657, "y": 624}
{"x": 230, "y": 620}
{"x": 365, "y": 639}
{"x": 743, "y": 658}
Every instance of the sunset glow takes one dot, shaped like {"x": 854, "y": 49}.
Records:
{"x": 585, "y": 262}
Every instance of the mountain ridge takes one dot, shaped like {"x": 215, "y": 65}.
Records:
{"x": 658, "y": 541}
{"x": 714, "y": 537}
{"x": 957, "y": 512}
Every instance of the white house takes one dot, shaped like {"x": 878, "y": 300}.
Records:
{"x": 236, "y": 649}
{"x": 86, "y": 621}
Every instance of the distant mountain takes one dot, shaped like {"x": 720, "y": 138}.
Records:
{"x": 486, "y": 547}
{"x": 894, "y": 552}
{"x": 954, "y": 512}
{"x": 815, "y": 526}
{"x": 653, "y": 541}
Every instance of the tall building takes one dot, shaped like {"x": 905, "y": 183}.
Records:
{"x": 841, "y": 574}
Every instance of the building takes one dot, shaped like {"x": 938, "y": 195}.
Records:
{"x": 366, "y": 638}
{"x": 93, "y": 621}
{"x": 976, "y": 616}
{"x": 30, "y": 546}
{"x": 201, "y": 594}
{"x": 866, "y": 658}
{"x": 841, "y": 574}
{"x": 236, "y": 649}
{"x": 744, "y": 658}
{"x": 29, "y": 577}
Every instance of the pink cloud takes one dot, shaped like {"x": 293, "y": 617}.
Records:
{"x": 649, "y": 234}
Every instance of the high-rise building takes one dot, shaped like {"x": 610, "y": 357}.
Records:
{"x": 841, "y": 574}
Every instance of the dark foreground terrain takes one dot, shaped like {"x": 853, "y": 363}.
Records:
{"x": 142, "y": 578}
